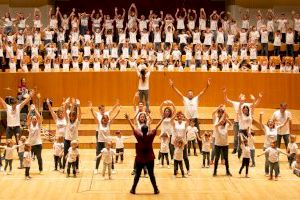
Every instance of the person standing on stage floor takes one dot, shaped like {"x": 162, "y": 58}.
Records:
{"x": 144, "y": 153}
{"x": 144, "y": 74}
{"x": 235, "y": 105}
{"x": 279, "y": 117}
{"x": 34, "y": 124}
{"x": 191, "y": 106}
{"x": 13, "y": 116}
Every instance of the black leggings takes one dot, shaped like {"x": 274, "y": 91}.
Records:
{"x": 206, "y": 157}
{"x": 221, "y": 150}
{"x": 190, "y": 143}
{"x": 57, "y": 162}
{"x": 8, "y": 163}
{"x": 245, "y": 163}
{"x": 164, "y": 155}
{"x": 139, "y": 167}
{"x": 99, "y": 147}
{"x": 121, "y": 152}
{"x": 27, "y": 171}
{"x": 67, "y": 144}
{"x": 176, "y": 164}
{"x": 73, "y": 164}
{"x": 37, "y": 150}
{"x": 186, "y": 158}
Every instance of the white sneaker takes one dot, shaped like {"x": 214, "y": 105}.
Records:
{"x": 41, "y": 173}
{"x": 189, "y": 173}
{"x": 168, "y": 166}
{"x": 113, "y": 171}
{"x": 172, "y": 162}
{"x": 158, "y": 162}
{"x": 1, "y": 169}
{"x": 9, "y": 173}
{"x": 160, "y": 166}
{"x": 95, "y": 171}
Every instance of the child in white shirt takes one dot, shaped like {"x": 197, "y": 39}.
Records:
{"x": 245, "y": 155}
{"x": 21, "y": 150}
{"x": 292, "y": 150}
{"x": 164, "y": 149}
{"x": 191, "y": 134}
{"x": 178, "y": 157}
{"x": 9, "y": 149}
{"x": 206, "y": 141}
{"x": 296, "y": 166}
{"x": 58, "y": 152}
{"x": 120, "y": 146}
{"x": 273, "y": 159}
{"x": 27, "y": 160}
{"x": 107, "y": 156}
{"x": 72, "y": 156}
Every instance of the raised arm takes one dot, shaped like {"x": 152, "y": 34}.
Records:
{"x": 115, "y": 106}
{"x": 159, "y": 123}
{"x": 53, "y": 114}
{"x": 175, "y": 89}
{"x": 114, "y": 117}
{"x": 129, "y": 121}
{"x": 261, "y": 121}
{"x": 92, "y": 111}
{"x": 3, "y": 103}
{"x": 204, "y": 90}
{"x": 38, "y": 116}
{"x": 23, "y": 103}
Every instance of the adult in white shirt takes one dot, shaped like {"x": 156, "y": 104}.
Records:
{"x": 221, "y": 142}
{"x": 73, "y": 121}
{"x": 104, "y": 123}
{"x": 271, "y": 133}
{"x": 13, "y": 116}
{"x": 235, "y": 105}
{"x": 279, "y": 117}
{"x": 143, "y": 87}
{"x": 60, "y": 119}
{"x": 34, "y": 124}
{"x": 191, "y": 105}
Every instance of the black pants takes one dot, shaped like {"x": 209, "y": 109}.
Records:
{"x": 135, "y": 168}
{"x": 171, "y": 147}
{"x": 291, "y": 158}
{"x": 197, "y": 124}
{"x": 150, "y": 168}
{"x": 27, "y": 171}
{"x": 8, "y": 163}
{"x": 245, "y": 163}
{"x": 67, "y": 145}
{"x": 73, "y": 164}
{"x": 99, "y": 147}
{"x": 224, "y": 151}
{"x": 121, "y": 152}
{"x": 37, "y": 150}
{"x": 285, "y": 139}
{"x": 164, "y": 155}
{"x": 13, "y": 131}
{"x": 245, "y": 134}
{"x": 57, "y": 162}
{"x": 205, "y": 157}
{"x": 186, "y": 158}
{"x": 190, "y": 143}
{"x": 176, "y": 164}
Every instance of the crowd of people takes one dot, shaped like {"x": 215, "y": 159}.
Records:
{"x": 180, "y": 133}
{"x": 166, "y": 42}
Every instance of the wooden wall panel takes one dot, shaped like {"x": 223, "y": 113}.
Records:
{"x": 105, "y": 87}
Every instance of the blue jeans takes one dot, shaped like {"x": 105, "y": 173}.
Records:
{"x": 290, "y": 50}
{"x": 285, "y": 139}
{"x": 276, "y": 50}
{"x": 264, "y": 50}
{"x": 252, "y": 154}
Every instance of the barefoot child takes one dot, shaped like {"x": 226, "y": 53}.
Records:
{"x": 27, "y": 160}
{"x": 58, "y": 152}
{"x": 72, "y": 156}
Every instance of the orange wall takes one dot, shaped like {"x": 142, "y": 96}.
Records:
{"x": 105, "y": 87}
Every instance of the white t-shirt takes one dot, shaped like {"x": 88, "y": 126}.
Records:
{"x": 164, "y": 146}
{"x": 72, "y": 130}
{"x": 293, "y": 147}
{"x": 270, "y": 136}
{"x": 206, "y": 145}
{"x": 178, "y": 153}
{"x": 72, "y": 154}
{"x": 103, "y": 132}
{"x": 58, "y": 149}
{"x": 9, "y": 152}
{"x": 191, "y": 133}
{"x": 107, "y": 155}
{"x": 144, "y": 85}
{"x": 27, "y": 159}
{"x": 34, "y": 136}
{"x": 221, "y": 135}
{"x": 61, "y": 125}
{"x": 235, "y": 105}
{"x": 191, "y": 107}
{"x": 120, "y": 142}
{"x": 273, "y": 154}
{"x": 245, "y": 151}
{"x": 281, "y": 118}
{"x": 13, "y": 116}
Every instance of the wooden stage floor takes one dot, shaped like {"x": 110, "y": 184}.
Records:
{"x": 200, "y": 185}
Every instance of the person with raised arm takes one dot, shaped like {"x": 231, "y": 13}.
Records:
{"x": 13, "y": 115}
{"x": 144, "y": 153}
{"x": 235, "y": 105}
{"x": 34, "y": 123}
{"x": 191, "y": 105}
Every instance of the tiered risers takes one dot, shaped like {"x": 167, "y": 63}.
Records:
{"x": 88, "y": 125}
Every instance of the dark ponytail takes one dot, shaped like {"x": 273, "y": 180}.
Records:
{"x": 143, "y": 73}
